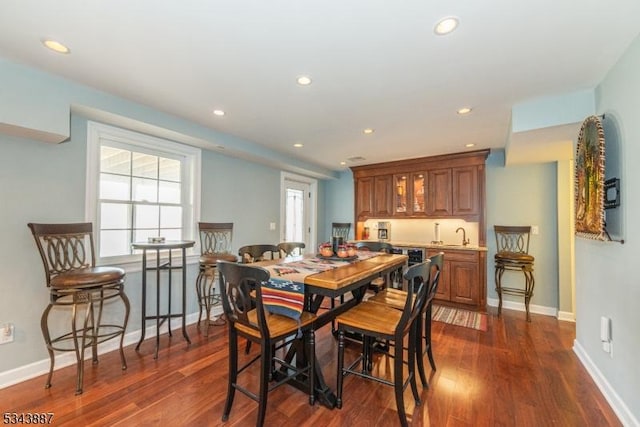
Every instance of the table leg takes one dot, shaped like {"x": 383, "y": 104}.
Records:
{"x": 323, "y": 393}
{"x": 144, "y": 297}
{"x": 155, "y": 356}
{"x": 169, "y": 270}
{"x": 184, "y": 296}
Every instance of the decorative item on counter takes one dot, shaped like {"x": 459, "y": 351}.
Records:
{"x": 342, "y": 251}
{"x": 365, "y": 233}
{"x": 326, "y": 249}
{"x": 352, "y": 250}
{"x": 436, "y": 232}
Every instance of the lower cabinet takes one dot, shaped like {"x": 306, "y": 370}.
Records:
{"x": 461, "y": 281}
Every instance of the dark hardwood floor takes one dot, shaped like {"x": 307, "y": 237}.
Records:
{"x": 516, "y": 374}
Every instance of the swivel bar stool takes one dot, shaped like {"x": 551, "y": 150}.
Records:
{"x": 215, "y": 245}
{"x": 512, "y": 253}
{"x": 74, "y": 281}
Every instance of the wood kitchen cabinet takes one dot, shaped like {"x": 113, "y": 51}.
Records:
{"x": 383, "y": 198}
{"x": 409, "y": 194}
{"x": 439, "y": 197}
{"x": 449, "y": 186}
{"x": 364, "y": 198}
{"x": 465, "y": 191}
{"x": 375, "y": 197}
{"x": 462, "y": 279}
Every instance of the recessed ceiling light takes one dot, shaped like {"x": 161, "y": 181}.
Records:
{"x": 464, "y": 110}
{"x": 218, "y": 113}
{"x": 446, "y": 25}
{"x": 55, "y": 46}
{"x": 368, "y": 131}
{"x": 304, "y": 80}
{"x": 298, "y": 145}
{"x": 469, "y": 145}
{"x": 343, "y": 163}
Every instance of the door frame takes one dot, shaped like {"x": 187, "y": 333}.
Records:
{"x": 313, "y": 206}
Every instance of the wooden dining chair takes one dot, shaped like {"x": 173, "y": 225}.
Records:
{"x": 75, "y": 283}
{"x": 270, "y": 331}
{"x": 396, "y": 298}
{"x": 379, "y": 283}
{"x": 382, "y": 322}
{"x": 341, "y": 229}
{"x": 291, "y": 249}
{"x": 255, "y": 253}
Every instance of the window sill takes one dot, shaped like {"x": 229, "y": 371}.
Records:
{"x": 133, "y": 264}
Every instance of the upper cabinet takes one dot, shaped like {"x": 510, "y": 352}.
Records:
{"x": 364, "y": 198}
{"x": 409, "y": 194}
{"x": 382, "y": 196}
{"x": 465, "y": 190}
{"x": 374, "y": 196}
{"x": 448, "y": 186}
{"x": 439, "y": 196}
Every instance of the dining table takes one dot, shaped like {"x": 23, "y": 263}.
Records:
{"x": 342, "y": 278}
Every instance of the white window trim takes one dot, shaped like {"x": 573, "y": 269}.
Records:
{"x": 97, "y": 132}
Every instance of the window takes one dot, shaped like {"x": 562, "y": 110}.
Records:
{"x": 138, "y": 187}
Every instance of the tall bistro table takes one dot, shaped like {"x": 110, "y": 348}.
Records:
{"x": 353, "y": 277}
{"x": 159, "y": 267}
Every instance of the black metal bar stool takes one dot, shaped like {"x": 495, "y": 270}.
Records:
{"x": 512, "y": 253}
{"x": 74, "y": 281}
{"x": 215, "y": 245}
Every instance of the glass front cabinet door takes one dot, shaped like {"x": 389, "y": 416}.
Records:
{"x": 400, "y": 196}
{"x": 418, "y": 193}
{"x": 409, "y": 194}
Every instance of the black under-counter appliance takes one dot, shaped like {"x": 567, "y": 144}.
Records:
{"x": 416, "y": 255}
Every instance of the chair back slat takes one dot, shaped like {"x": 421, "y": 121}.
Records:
{"x": 512, "y": 238}
{"x": 437, "y": 263}
{"x": 236, "y": 282}
{"x": 255, "y": 253}
{"x": 291, "y": 248}
{"x": 215, "y": 237}
{"x": 64, "y": 247}
{"x": 340, "y": 229}
{"x": 418, "y": 289}
{"x": 374, "y": 246}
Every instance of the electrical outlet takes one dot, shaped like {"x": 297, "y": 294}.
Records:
{"x": 6, "y": 333}
{"x": 272, "y": 226}
{"x": 535, "y": 230}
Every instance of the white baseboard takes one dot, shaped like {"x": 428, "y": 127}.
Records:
{"x": 519, "y": 306}
{"x": 617, "y": 404}
{"x": 32, "y": 370}
{"x": 567, "y": 316}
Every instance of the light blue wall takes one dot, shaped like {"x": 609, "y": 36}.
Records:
{"x": 41, "y": 182}
{"x": 607, "y": 281}
{"x": 524, "y": 195}
{"x": 339, "y": 204}
{"x": 46, "y": 183}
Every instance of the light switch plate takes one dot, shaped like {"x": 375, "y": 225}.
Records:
{"x": 6, "y": 333}
{"x": 535, "y": 230}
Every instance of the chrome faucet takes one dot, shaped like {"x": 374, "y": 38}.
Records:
{"x": 465, "y": 241}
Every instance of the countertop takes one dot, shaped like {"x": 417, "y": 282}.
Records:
{"x": 435, "y": 246}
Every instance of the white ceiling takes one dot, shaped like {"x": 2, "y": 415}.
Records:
{"x": 374, "y": 63}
